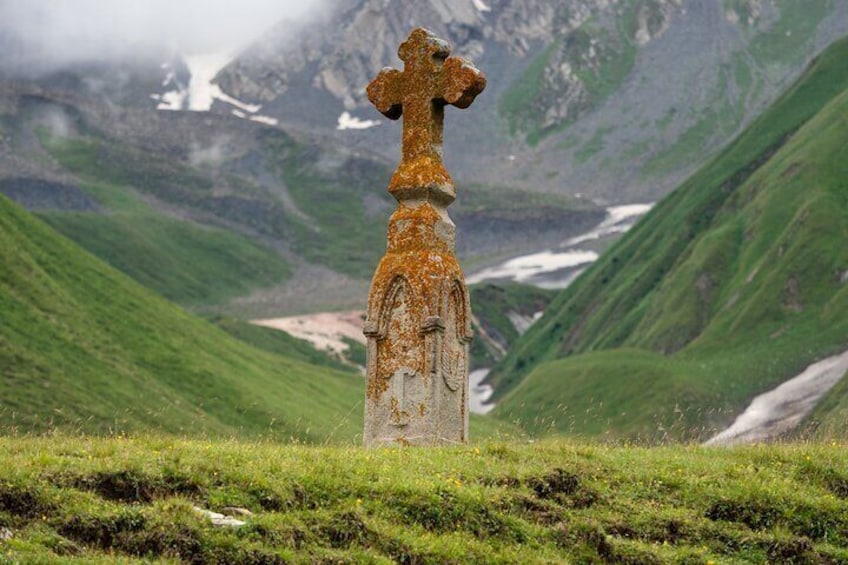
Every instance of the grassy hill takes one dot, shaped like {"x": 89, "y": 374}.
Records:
{"x": 133, "y": 500}
{"x": 731, "y": 285}
{"x": 186, "y": 261}
{"x": 84, "y": 347}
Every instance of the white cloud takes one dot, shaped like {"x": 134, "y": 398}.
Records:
{"x": 62, "y": 31}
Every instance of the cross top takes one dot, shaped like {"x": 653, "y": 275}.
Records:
{"x": 430, "y": 81}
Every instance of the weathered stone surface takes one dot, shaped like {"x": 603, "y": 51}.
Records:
{"x": 418, "y": 325}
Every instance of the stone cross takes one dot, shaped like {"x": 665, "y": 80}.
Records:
{"x": 418, "y": 324}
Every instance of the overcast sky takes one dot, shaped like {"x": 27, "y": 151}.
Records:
{"x": 71, "y": 30}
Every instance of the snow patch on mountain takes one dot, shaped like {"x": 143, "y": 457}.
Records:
{"x": 619, "y": 219}
{"x": 479, "y": 393}
{"x": 529, "y": 267}
{"x": 267, "y": 120}
{"x": 557, "y": 268}
{"x": 171, "y": 100}
{"x": 780, "y": 410}
{"x": 347, "y": 121}
{"x": 480, "y": 5}
{"x": 201, "y": 92}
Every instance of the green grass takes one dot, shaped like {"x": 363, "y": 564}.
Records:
{"x": 184, "y": 261}
{"x": 83, "y": 500}
{"x": 84, "y": 347}
{"x": 610, "y": 394}
{"x": 732, "y": 281}
{"x": 687, "y": 146}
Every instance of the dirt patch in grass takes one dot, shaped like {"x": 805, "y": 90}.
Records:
{"x": 107, "y": 531}
{"x": 131, "y": 486}
{"x": 23, "y": 502}
{"x": 754, "y": 514}
{"x": 344, "y": 529}
{"x": 564, "y": 488}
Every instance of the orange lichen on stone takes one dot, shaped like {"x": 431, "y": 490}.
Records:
{"x": 419, "y": 93}
{"x": 418, "y": 310}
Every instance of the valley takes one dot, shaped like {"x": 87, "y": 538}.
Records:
{"x": 701, "y": 302}
{"x": 609, "y": 231}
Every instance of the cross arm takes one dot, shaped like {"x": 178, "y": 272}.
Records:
{"x": 463, "y": 82}
{"x": 385, "y": 93}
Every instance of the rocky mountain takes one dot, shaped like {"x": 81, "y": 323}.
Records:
{"x": 616, "y": 100}
{"x": 207, "y": 208}
{"x": 730, "y": 286}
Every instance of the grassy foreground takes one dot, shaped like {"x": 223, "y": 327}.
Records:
{"x": 133, "y": 499}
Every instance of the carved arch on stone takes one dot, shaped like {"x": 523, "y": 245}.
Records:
{"x": 454, "y": 354}
{"x": 458, "y": 294}
{"x": 398, "y": 285}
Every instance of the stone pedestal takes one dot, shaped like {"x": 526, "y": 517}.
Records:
{"x": 418, "y": 332}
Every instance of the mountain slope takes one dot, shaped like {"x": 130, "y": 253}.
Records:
{"x": 728, "y": 287}
{"x": 84, "y": 347}
{"x": 207, "y": 208}
{"x": 618, "y": 101}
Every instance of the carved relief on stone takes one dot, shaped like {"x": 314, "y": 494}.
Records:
{"x": 457, "y": 337}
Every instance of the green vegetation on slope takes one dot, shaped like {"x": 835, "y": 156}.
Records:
{"x": 492, "y": 305}
{"x": 186, "y": 263}
{"x": 333, "y": 192}
{"x": 101, "y": 500}
{"x": 182, "y": 260}
{"x": 513, "y": 103}
{"x": 84, "y": 347}
{"x": 829, "y": 419}
{"x": 601, "y": 57}
{"x": 735, "y": 280}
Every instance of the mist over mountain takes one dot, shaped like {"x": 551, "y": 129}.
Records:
{"x": 52, "y": 34}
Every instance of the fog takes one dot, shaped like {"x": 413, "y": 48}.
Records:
{"x": 57, "y": 32}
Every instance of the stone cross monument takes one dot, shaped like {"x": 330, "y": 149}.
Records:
{"x": 418, "y": 324}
